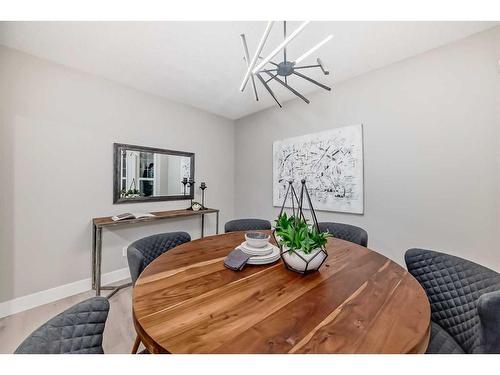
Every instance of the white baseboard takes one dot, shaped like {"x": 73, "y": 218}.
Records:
{"x": 29, "y": 301}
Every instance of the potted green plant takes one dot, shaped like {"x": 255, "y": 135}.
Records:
{"x": 132, "y": 191}
{"x": 302, "y": 244}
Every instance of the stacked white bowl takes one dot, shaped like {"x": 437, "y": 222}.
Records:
{"x": 257, "y": 244}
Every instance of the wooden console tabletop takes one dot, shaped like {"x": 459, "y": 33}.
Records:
{"x": 107, "y": 222}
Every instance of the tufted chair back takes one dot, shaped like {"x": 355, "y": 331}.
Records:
{"x": 346, "y": 232}
{"x": 78, "y": 330}
{"x": 464, "y": 298}
{"x": 142, "y": 252}
{"x": 246, "y": 224}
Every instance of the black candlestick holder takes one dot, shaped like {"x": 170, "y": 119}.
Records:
{"x": 190, "y": 183}
{"x": 184, "y": 182}
{"x": 203, "y": 186}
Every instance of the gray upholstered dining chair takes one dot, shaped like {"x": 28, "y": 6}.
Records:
{"x": 346, "y": 232}
{"x": 465, "y": 302}
{"x": 78, "y": 330}
{"x": 246, "y": 224}
{"x": 142, "y": 252}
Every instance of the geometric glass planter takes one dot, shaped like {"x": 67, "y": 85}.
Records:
{"x": 296, "y": 260}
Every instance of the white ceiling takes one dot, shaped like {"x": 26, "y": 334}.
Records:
{"x": 201, "y": 63}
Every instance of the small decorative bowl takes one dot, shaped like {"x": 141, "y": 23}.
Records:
{"x": 256, "y": 239}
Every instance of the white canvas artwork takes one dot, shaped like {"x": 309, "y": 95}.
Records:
{"x": 332, "y": 164}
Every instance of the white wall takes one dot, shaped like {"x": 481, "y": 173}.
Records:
{"x": 57, "y": 128}
{"x": 431, "y": 147}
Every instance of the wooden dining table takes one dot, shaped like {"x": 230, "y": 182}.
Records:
{"x": 186, "y": 301}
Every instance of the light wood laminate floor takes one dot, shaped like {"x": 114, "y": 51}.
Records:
{"x": 119, "y": 334}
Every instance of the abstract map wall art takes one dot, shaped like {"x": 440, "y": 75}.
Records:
{"x": 330, "y": 161}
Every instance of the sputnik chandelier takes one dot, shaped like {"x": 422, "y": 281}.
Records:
{"x": 258, "y": 65}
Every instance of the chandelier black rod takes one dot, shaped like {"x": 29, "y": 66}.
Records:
{"x": 307, "y": 66}
{"x": 270, "y": 62}
{"x": 291, "y": 89}
{"x": 312, "y": 81}
{"x": 322, "y": 66}
{"x": 284, "y": 37}
{"x": 272, "y": 77}
{"x": 268, "y": 89}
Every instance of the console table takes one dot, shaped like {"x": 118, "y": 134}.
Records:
{"x": 107, "y": 222}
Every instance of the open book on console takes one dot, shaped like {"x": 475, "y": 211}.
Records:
{"x": 129, "y": 216}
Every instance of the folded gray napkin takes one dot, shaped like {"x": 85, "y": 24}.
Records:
{"x": 236, "y": 260}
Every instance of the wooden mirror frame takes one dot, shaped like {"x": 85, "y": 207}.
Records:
{"x": 118, "y": 147}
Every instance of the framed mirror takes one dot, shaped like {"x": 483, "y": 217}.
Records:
{"x": 143, "y": 174}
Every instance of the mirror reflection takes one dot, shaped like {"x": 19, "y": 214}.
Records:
{"x": 144, "y": 174}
